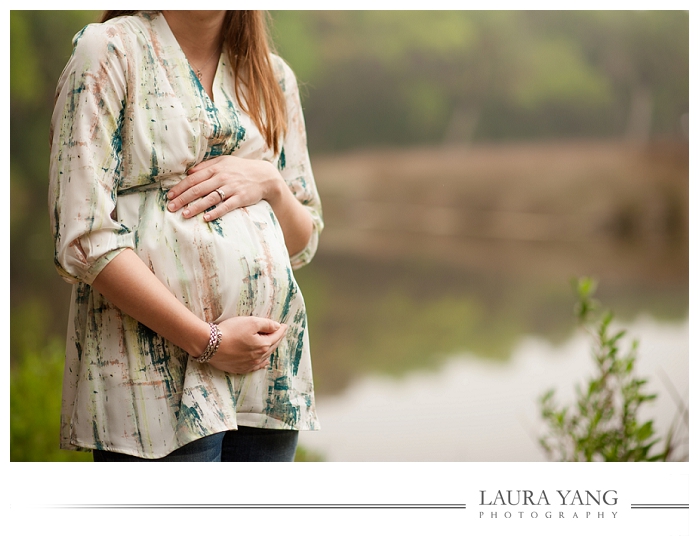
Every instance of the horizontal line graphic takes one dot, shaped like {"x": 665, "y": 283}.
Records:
{"x": 659, "y": 506}
{"x": 261, "y": 506}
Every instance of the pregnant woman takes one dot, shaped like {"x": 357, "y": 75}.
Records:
{"x": 181, "y": 199}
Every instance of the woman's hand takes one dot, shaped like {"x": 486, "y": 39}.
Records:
{"x": 247, "y": 344}
{"x": 230, "y": 182}
{"x": 227, "y": 182}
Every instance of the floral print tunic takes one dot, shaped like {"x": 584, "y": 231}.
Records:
{"x": 130, "y": 119}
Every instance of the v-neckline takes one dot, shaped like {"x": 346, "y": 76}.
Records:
{"x": 163, "y": 27}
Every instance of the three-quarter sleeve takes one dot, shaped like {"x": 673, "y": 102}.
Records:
{"x": 86, "y": 133}
{"x": 295, "y": 166}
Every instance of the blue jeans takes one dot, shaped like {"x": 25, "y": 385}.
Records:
{"x": 246, "y": 444}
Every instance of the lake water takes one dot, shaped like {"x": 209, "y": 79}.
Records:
{"x": 475, "y": 409}
{"x": 420, "y": 361}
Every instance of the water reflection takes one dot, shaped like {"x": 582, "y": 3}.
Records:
{"x": 392, "y": 317}
{"x": 419, "y": 360}
{"x": 472, "y": 408}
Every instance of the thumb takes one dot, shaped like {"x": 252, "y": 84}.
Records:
{"x": 267, "y": 325}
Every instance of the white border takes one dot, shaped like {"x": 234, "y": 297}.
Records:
{"x": 35, "y": 494}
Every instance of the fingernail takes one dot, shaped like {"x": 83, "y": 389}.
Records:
{"x": 171, "y": 206}
{"x": 170, "y": 195}
{"x": 185, "y": 213}
{"x": 207, "y": 217}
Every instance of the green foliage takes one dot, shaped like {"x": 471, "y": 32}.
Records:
{"x": 36, "y": 377}
{"x": 603, "y": 424}
{"x": 305, "y": 455}
{"x": 558, "y": 74}
{"x": 35, "y": 406}
{"x": 25, "y": 76}
{"x": 403, "y": 77}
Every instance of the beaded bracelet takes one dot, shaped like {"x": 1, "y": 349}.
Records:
{"x": 214, "y": 343}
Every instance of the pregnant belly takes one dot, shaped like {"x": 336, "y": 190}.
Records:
{"x": 235, "y": 265}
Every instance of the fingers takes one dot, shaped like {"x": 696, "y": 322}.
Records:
{"x": 201, "y": 197}
{"x": 273, "y": 340}
{"x": 266, "y": 326}
{"x": 200, "y": 194}
{"x": 219, "y": 198}
{"x": 195, "y": 175}
{"x": 205, "y": 164}
{"x": 198, "y": 189}
{"x": 257, "y": 336}
{"x": 264, "y": 361}
{"x": 258, "y": 358}
{"x": 276, "y": 337}
{"x": 264, "y": 353}
{"x": 237, "y": 200}
{"x": 222, "y": 208}
{"x": 189, "y": 189}
{"x": 219, "y": 186}
{"x": 268, "y": 344}
{"x": 212, "y": 199}
{"x": 188, "y": 185}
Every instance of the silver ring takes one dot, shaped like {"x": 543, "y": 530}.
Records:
{"x": 221, "y": 193}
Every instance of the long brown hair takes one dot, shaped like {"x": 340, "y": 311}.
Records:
{"x": 245, "y": 39}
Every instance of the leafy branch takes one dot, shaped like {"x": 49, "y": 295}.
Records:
{"x": 604, "y": 424}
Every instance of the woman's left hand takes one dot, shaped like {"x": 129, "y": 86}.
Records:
{"x": 227, "y": 182}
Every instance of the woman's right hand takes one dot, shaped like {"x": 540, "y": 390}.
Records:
{"x": 247, "y": 344}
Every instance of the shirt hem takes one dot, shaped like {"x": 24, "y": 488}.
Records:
{"x": 248, "y": 420}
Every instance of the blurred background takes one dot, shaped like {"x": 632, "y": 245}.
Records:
{"x": 470, "y": 164}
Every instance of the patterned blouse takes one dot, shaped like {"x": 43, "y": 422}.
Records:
{"x": 130, "y": 119}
